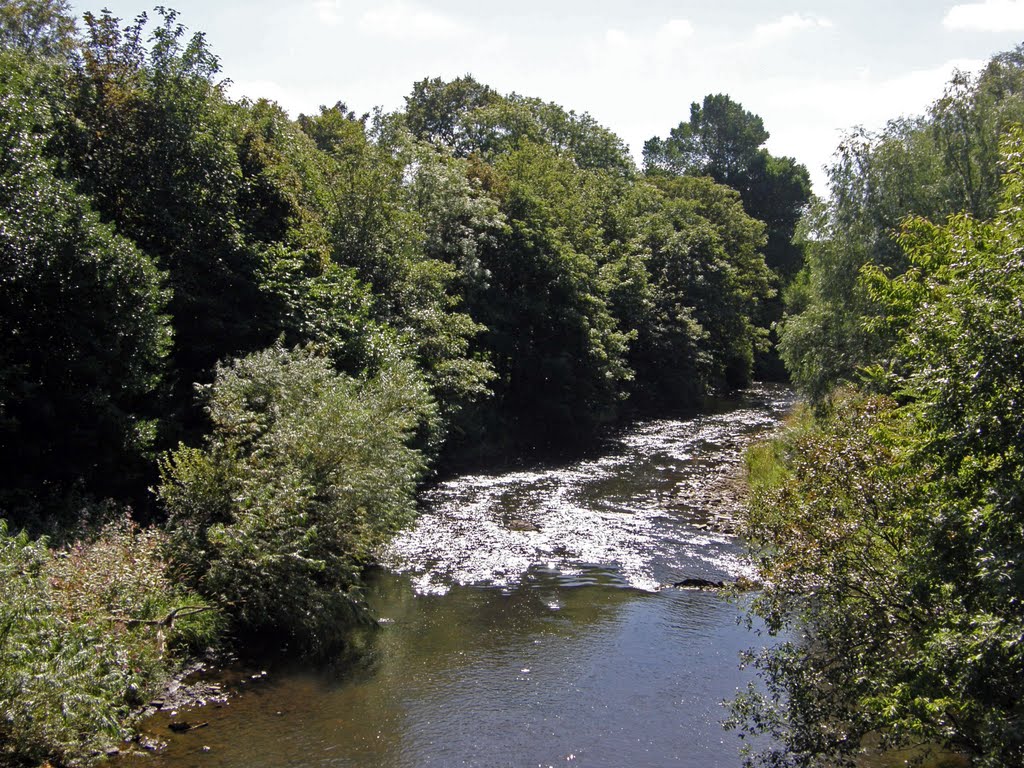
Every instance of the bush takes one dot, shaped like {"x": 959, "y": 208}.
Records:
{"x": 83, "y": 634}
{"x": 306, "y": 472}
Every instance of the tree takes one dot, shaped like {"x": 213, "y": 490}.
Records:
{"x": 436, "y": 110}
{"x": 388, "y": 196}
{"x": 466, "y": 117}
{"x": 39, "y": 28}
{"x": 724, "y": 141}
{"x": 890, "y": 540}
{"x": 721, "y": 140}
{"x": 708, "y": 278}
{"x": 83, "y": 330}
{"x": 558, "y": 350}
{"x": 930, "y": 166}
{"x": 148, "y": 138}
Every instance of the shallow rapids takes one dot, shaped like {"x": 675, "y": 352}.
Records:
{"x": 645, "y": 510}
{"x": 522, "y": 625}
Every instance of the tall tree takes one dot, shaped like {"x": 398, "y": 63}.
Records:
{"x": 930, "y": 166}
{"x": 150, "y": 141}
{"x": 82, "y": 326}
{"x": 39, "y": 28}
{"x": 726, "y": 142}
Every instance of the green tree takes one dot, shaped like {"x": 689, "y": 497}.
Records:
{"x": 83, "y": 333}
{"x": 466, "y": 117}
{"x": 724, "y": 141}
{"x": 891, "y": 540}
{"x": 38, "y": 28}
{"x": 149, "y": 140}
{"x": 930, "y": 166}
{"x": 720, "y": 140}
{"x": 390, "y": 206}
{"x": 436, "y": 110}
{"x": 708, "y": 279}
{"x": 558, "y": 350}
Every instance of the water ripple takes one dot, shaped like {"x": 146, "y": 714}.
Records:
{"x": 644, "y": 510}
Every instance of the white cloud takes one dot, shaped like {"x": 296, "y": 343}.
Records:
{"x": 328, "y": 11}
{"x": 828, "y": 108}
{"x": 675, "y": 30}
{"x": 616, "y": 38}
{"x": 788, "y": 25}
{"x": 402, "y": 21}
{"x": 294, "y": 100}
{"x": 988, "y": 16}
{"x": 659, "y": 46}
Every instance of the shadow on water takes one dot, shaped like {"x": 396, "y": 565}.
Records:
{"x": 521, "y": 625}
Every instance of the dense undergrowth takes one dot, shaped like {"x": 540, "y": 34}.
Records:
{"x": 89, "y": 631}
{"x": 888, "y": 520}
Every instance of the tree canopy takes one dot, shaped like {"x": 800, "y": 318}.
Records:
{"x": 887, "y": 521}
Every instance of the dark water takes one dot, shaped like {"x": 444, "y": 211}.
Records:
{"x": 550, "y": 646}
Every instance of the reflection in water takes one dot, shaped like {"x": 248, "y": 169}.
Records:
{"x": 503, "y": 647}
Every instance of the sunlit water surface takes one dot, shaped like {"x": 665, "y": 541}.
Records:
{"x": 523, "y": 623}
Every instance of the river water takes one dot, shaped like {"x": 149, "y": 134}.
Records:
{"x": 524, "y": 623}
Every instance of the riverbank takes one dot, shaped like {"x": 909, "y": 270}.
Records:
{"x": 500, "y": 645}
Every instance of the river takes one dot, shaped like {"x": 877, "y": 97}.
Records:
{"x": 524, "y": 623}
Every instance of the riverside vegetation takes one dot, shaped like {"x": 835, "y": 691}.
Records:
{"x": 283, "y": 326}
{"x": 888, "y": 520}
{"x": 233, "y": 344}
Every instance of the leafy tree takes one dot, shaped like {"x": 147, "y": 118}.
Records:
{"x": 149, "y": 140}
{"x": 283, "y": 200}
{"x": 720, "y": 140}
{"x": 891, "y": 540}
{"x": 966, "y": 125}
{"x": 558, "y": 350}
{"x": 391, "y": 202}
{"x": 724, "y": 141}
{"x": 83, "y": 332}
{"x": 930, "y": 166}
{"x": 501, "y": 125}
{"x": 708, "y": 277}
{"x": 436, "y": 110}
{"x": 466, "y": 117}
{"x": 38, "y": 28}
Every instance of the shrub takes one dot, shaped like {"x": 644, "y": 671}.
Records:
{"x": 306, "y": 472}
{"x": 83, "y": 633}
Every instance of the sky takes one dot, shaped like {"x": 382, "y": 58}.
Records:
{"x": 811, "y": 70}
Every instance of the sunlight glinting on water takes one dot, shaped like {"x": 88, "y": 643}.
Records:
{"x": 493, "y": 530}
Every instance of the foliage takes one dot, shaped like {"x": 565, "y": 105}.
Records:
{"x": 719, "y": 141}
{"x": 724, "y": 141}
{"x": 82, "y": 327}
{"x": 468, "y": 117}
{"x": 405, "y": 218}
{"x": 479, "y": 273}
{"x": 930, "y": 167}
{"x": 40, "y": 28}
{"x": 891, "y": 539}
{"x": 305, "y": 473}
{"x": 82, "y": 640}
{"x": 148, "y": 138}
{"x": 558, "y": 350}
{"x": 707, "y": 278}
{"x": 435, "y": 111}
